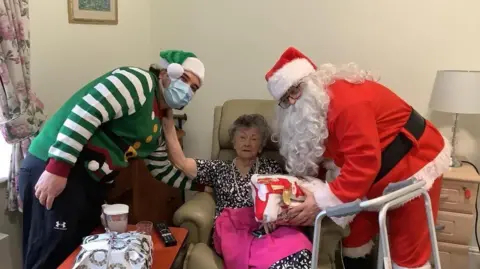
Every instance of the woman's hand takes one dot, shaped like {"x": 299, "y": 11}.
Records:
{"x": 282, "y": 219}
{"x": 48, "y": 187}
{"x": 268, "y": 227}
{"x": 305, "y": 213}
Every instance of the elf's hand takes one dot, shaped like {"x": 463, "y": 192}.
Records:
{"x": 48, "y": 187}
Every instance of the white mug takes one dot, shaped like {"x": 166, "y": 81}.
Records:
{"x": 115, "y": 217}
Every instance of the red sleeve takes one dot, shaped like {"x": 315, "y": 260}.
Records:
{"x": 356, "y": 131}
{"x": 357, "y": 134}
{"x": 58, "y": 167}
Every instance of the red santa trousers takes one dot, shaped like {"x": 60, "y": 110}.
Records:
{"x": 407, "y": 227}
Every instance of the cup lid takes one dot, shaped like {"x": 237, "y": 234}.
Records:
{"x": 115, "y": 209}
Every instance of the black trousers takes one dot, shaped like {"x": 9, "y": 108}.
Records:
{"x": 49, "y": 236}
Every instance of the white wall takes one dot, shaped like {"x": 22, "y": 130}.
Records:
{"x": 67, "y": 56}
{"x": 406, "y": 41}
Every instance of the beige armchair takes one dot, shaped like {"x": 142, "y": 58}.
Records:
{"x": 197, "y": 214}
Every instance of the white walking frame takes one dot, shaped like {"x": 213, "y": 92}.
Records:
{"x": 394, "y": 195}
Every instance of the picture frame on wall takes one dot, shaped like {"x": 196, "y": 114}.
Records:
{"x": 93, "y": 11}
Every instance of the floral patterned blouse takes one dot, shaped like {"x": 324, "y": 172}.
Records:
{"x": 230, "y": 189}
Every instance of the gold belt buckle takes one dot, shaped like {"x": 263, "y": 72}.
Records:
{"x": 130, "y": 153}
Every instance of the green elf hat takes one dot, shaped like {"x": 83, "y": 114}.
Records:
{"x": 177, "y": 61}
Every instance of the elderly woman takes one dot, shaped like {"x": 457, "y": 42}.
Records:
{"x": 230, "y": 181}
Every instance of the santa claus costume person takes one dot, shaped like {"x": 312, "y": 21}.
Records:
{"x": 374, "y": 138}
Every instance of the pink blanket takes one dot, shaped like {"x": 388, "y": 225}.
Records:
{"x": 241, "y": 250}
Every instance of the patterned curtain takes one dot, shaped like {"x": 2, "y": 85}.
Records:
{"x": 21, "y": 112}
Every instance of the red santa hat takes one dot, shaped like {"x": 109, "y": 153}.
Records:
{"x": 287, "y": 71}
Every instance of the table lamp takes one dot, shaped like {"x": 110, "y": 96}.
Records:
{"x": 457, "y": 92}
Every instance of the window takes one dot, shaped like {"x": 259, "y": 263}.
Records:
{"x": 5, "y": 156}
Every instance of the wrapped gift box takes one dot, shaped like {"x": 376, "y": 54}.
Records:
{"x": 273, "y": 194}
{"x": 115, "y": 251}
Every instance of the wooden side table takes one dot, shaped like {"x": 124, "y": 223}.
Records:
{"x": 136, "y": 187}
{"x": 163, "y": 257}
{"x": 456, "y": 217}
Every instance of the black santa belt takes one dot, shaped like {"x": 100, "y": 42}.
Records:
{"x": 401, "y": 145}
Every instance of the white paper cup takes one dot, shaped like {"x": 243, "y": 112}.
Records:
{"x": 116, "y": 217}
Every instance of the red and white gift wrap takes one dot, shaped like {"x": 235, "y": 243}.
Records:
{"x": 268, "y": 194}
{"x": 273, "y": 194}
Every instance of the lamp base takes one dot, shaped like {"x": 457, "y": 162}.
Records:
{"x": 455, "y": 162}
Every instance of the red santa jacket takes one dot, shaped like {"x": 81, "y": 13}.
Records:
{"x": 363, "y": 119}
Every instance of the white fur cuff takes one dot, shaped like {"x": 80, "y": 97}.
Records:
{"x": 333, "y": 171}
{"x": 425, "y": 266}
{"x": 325, "y": 198}
{"x": 358, "y": 252}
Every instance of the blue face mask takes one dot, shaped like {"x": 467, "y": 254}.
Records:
{"x": 178, "y": 94}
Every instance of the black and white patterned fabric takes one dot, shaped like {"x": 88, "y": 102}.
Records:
{"x": 219, "y": 175}
{"x": 299, "y": 260}
{"x": 231, "y": 190}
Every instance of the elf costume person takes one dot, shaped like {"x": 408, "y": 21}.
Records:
{"x": 115, "y": 118}
{"x": 374, "y": 138}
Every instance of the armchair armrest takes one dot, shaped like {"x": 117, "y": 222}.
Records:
{"x": 197, "y": 216}
{"x": 203, "y": 257}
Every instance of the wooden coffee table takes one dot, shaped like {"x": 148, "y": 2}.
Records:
{"x": 163, "y": 257}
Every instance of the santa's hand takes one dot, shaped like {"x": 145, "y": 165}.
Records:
{"x": 305, "y": 213}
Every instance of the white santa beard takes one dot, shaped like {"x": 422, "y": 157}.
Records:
{"x": 302, "y": 130}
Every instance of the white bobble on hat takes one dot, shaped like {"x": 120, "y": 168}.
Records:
{"x": 93, "y": 166}
{"x": 175, "y": 71}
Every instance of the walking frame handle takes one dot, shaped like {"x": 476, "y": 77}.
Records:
{"x": 344, "y": 210}
{"x": 399, "y": 185}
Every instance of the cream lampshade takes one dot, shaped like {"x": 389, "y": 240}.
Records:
{"x": 457, "y": 92}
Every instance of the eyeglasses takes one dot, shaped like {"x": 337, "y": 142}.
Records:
{"x": 293, "y": 94}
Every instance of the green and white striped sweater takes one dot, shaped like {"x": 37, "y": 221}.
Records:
{"x": 110, "y": 120}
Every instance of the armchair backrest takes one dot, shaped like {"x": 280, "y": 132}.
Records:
{"x": 225, "y": 115}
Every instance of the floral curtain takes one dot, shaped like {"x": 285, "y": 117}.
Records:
{"x": 21, "y": 112}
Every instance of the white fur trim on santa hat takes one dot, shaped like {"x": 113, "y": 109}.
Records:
{"x": 325, "y": 198}
{"x": 195, "y": 66}
{"x": 425, "y": 266}
{"x": 285, "y": 77}
{"x": 358, "y": 252}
